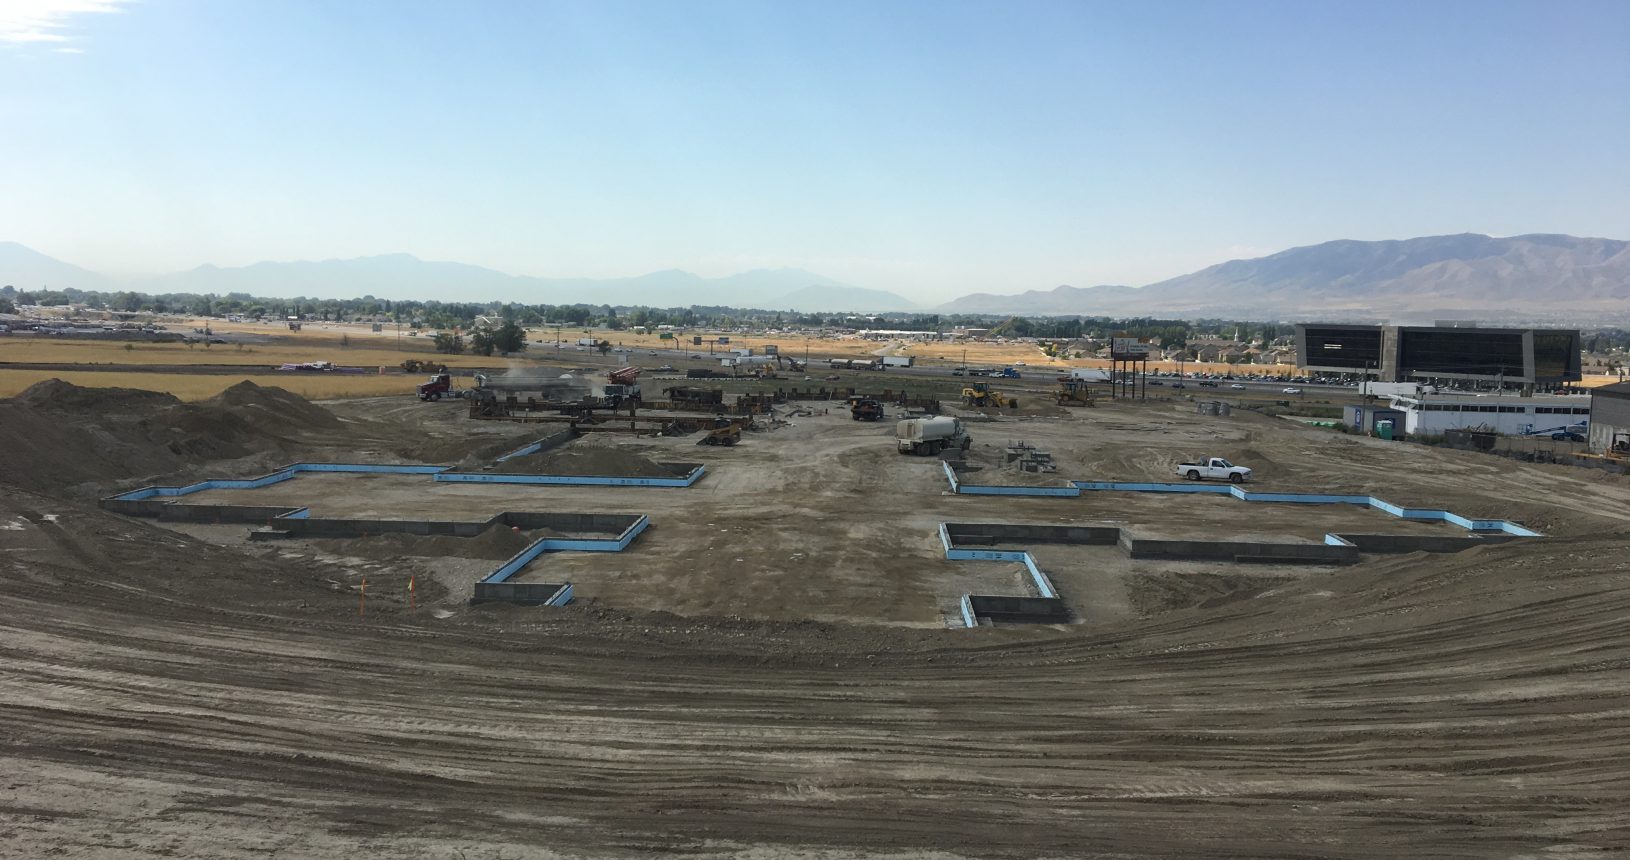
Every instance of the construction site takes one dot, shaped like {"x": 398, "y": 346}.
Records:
{"x": 553, "y": 613}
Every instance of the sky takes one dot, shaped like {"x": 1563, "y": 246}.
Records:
{"x": 932, "y": 149}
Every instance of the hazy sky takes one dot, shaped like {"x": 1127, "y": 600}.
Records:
{"x": 932, "y": 149}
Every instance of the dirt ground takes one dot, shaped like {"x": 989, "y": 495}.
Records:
{"x": 767, "y": 672}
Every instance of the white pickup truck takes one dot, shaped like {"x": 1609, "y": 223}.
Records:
{"x": 1214, "y": 467}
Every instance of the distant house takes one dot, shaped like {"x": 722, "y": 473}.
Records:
{"x": 1208, "y": 353}
{"x": 488, "y": 322}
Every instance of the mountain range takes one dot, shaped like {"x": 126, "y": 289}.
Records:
{"x": 403, "y": 276}
{"x": 1533, "y": 277}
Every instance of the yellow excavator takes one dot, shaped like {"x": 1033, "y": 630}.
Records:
{"x": 980, "y": 395}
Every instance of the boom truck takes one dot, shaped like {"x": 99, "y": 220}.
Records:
{"x": 621, "y": 386}
{"x": 929, "y": 436}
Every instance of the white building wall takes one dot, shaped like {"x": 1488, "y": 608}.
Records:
{"x": 1508, "y": 416}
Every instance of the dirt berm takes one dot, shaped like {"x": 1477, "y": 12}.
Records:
{"x": 58, "y": 436}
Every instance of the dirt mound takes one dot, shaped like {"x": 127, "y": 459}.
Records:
{"x": 270, "y": 406}
{"x": 59, "y": 436}
{"x": 54, "y": 395}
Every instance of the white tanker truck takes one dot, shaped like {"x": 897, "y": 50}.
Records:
{"x": 929, "y": 436}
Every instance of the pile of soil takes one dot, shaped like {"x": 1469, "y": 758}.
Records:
{"x": 62, "y": 437}
{"x": 54, "y": 395}
{"x": 588, "y": 457}
{"x": 272, "y": 407}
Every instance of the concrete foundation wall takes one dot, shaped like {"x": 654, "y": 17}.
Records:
{"x": 325, "y": 527}
{"x": 1283, "y": 553}
{"x": 975, "y": 534}
{"x": 257, "y": 514}
{"x": 552, "y": 441}
{"x": 522, "y": 593}
{"x": 1030, "y": 610}
{"x": 560, "y": 522}
{"x": 1419, "y": 543}
{"x": 682, "y": 479}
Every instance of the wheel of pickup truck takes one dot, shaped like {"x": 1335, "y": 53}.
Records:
{"x": 1194, "y": 474}
{"x": 1235, "y": 478}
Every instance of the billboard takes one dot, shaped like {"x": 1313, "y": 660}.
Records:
{"x": 1123, "y": 348}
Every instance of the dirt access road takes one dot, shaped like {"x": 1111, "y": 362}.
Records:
{"x": 165, "y": 695}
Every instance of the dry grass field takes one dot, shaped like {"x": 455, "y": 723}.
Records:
{"x": 292, "y": 350}
{"x": 202, "y": 386}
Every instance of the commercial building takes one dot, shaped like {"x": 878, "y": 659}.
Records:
{"x": 1610, "y": 419}
{"x": 1525, "y": 357}
{"x": 1506, "y": 414}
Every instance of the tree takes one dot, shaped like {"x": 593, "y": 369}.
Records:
{"x": 449, "y": 342}
{"x": 6, "y": 307}
{"x": 604, "y": 346}
{"x": 509, "y": 338}
{"x": 481, "y": 343}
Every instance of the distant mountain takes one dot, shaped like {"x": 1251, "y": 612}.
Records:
{"x": 841, "y": 298}
{"x": 407, "y": 277}
{"x": 27, "y": 269}
{"x": 1434, "y": 274}
{"x": 1532, "y": 276}
{"x": 404, "y": 276}
{"x": 397, "y": 276}
{"x": 1041, "y": 301}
